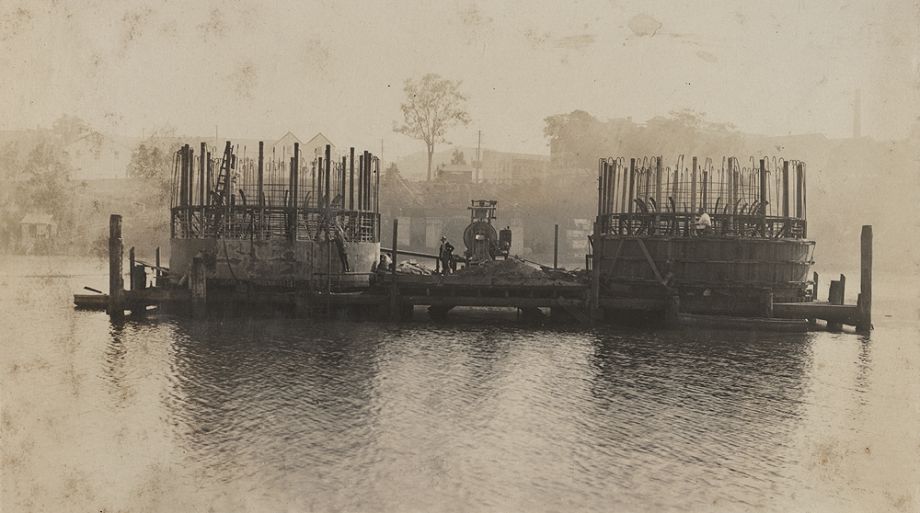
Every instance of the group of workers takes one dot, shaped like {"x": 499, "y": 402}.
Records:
{"x": 445, "y": 263}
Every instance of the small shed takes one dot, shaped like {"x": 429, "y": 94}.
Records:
{"x": 35, "y": 227}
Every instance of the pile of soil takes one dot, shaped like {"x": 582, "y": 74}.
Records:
{"x": 414, "y": 268}
{"x": 514, "y": 271}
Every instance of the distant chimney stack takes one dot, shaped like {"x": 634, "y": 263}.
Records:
{"x": 857, "y": 114}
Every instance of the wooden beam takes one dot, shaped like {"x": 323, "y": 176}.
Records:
{"x": 394, "y": 286}
{"x": 865, "y": 280}
{"x": 351, "y": 178}
{"x": 651, "y": 262}
{"x": 555, "y": 247}
{"x": 844, "y": 314}
{"x": 116, "y": 278}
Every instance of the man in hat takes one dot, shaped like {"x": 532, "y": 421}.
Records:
{"x": 445, "y": 255}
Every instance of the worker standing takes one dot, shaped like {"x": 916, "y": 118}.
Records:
{"x": 704, "y": 224}
{"x": 445, "y": 255}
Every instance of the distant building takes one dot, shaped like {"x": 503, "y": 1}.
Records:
{"x": 513, "y": 168}
{"x": 36, "y": 230}
{"x": 283, "y": 148}
{"x": 455, "y": 173}
{"x": 316, "y": 146}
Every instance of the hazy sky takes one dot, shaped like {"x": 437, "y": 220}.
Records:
{"x": 338, "y": 66}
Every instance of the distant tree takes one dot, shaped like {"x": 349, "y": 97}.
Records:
{"x": 433, "y": 105}
{"x": 149, "y": 162}
{"x": 46, "y": 186}
{"x": 575, "y": 139}
{"x": 153, "y": 159}
{"x": 457, "y": 157}
{"x": 578, "y": 139}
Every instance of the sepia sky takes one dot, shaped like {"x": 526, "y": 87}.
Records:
{"x": 256, "y": 71}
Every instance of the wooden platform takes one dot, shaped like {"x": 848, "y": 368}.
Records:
{"x": 91, "y": 301}
{"x": 844, "y": 314}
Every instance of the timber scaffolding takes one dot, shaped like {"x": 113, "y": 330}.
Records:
{"x": 298, "y": 221}
{"x": 233, "y": 196}
{"x": 274, "y": 253}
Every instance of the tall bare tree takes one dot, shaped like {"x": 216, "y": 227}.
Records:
{"x": 433, "y": 105}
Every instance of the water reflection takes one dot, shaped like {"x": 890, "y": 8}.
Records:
{"x": 450, "y": 410}
{"x": 276, "y": 415}
{"x": 259, "y": 397}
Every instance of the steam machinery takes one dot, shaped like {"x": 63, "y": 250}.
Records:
{"x": 482, "y": 242}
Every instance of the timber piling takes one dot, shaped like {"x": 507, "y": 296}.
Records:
{"x": 864, "y": 300}
{"x": 116, "y": 279}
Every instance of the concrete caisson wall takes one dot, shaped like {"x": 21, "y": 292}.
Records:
{"x": 278, "y": 262}
{"x": 711, "y": 275}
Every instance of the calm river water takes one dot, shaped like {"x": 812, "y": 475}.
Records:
{"x": 177, "y": 415}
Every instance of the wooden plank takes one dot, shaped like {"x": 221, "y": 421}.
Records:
{"x": 651, "y": 262}
{"x": 844, "y": 314}
{"x": 627, "y": 303}
{"x": 91, "y": 301}
{"x": 514, "y": 302}
{"x": 743, "y": 323}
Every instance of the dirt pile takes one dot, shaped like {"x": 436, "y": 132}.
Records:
{"x": 514, "y": 271}
{"x": 413, "y": 268}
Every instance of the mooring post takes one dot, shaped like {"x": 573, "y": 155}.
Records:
{"x": 394, "y": 291}
{"x": 198, "y": 284}
{"x": 835, "y": 296}
{"x": 116, "y": 279}
{"x": 556, "y": 248}
{"x": 814, "y": 290}
{"x": 865, "y": 280}
{"x": 131, "y": 285}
